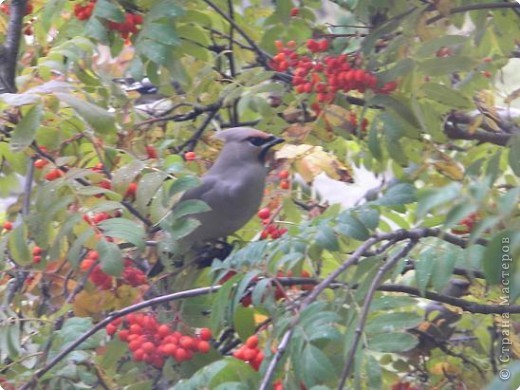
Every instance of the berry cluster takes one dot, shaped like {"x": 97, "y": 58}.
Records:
{"x": 129, "y": 26}
{"x": 353, "y": 120}
{"x": 250, "y": 353}
{"x": 37, "y": 254}
{"x": 325, "y": 75}
{"x": 84, "y": 11}
{"x": 153, "y": 342}
{"x": 131, "y": 275}
{"x": 466, "y": 225}
{"x": 270, "y": 229}
{"x": 285, "y": 183}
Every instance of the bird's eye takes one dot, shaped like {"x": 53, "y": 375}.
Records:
{"x": 257, "y": 141}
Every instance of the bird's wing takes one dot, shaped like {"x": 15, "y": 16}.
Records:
{"x": 208, "y": 191}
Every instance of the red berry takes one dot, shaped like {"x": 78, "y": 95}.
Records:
{"x": 131, "y": 190}
{"x": 181, "y": 355}
{"x": 86, "y": 264}
{"x": 285, "y": 184}
{"x": 249, "y": 354}
{"x": 139, "y": 355}
{"x": 37, "y": 259}
{"x": 148, "y": 347}
{"x": 187, "y": 342}
{"x": 163, "y": 330}
{"x": 150, "y": 150}
{"x": 40, "y": 163}
{"x": 252, "y": 341}
{"x": 169, "y": 349}
{"x": 37, "y": 251}
{"x": 123, "y": 334}
{"x": 264, "y": 213}
{"x": 283, "y": 174}
{"x": 295, "y": 11}
{"x": 190, "y": 156}
{"x": 53, "y": 174}
{"x": 205, "y": 334}
{"x": 323, "y": 45}
{"x": 203, "y": 346}
{"x": 111, "y": 329}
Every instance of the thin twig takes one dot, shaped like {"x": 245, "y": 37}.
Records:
{"x": 391, "y": 262}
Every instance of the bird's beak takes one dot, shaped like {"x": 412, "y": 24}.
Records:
{"x": 271, "y": 141}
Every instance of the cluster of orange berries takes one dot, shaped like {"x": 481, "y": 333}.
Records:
{"x": 131, "y": 275}
{"x": 250, "y": 353}
{"x": 129, "y": 26}
{"x": 37, "y": 254}
{"x": 152, "y": 342}
{"x": 325, "y": 75}
{"x": 270, "y": 230}
{"x": 84, "y": 11}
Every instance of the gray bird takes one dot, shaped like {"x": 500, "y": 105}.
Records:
{"x": 232, "y": 188}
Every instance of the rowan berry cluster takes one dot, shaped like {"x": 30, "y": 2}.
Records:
{"x": 131, "y": 275}
{"x": 129, "y": 26}
{"x": 153, "y": 343}
{"x": 37, "y": 254}
{"x": 270, "y": 230}
{"x": 84, "y": 11}
{"x": 324, "y": 75}
{"x": 250, "y": 353}
{"x": 465, "y": 226}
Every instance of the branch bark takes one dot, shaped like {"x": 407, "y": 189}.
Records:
{"x": 10, "y": 49}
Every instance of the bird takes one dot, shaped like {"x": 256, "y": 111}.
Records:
{"x": 233, "y": 187}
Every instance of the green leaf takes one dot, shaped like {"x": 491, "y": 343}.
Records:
{"x": 18, "y": 248}
{"x": 397, "y": 195}
{"x": 326, "y": 238}
{"x": 429, "y": 48}
{"x": 446, "y": 65}
{"x": 109, "y": 11}
{"x": 433, "y": 197}
{"x": 122, "y": 177}
{"x": 447, "y": 96}
{"x": 498, "y": 256}
{"x": 374, "y": 373}
{"x": 424, "y": 268}
{"x": 124, "y": 229}
{"x": 74, "y": 254}
{"x": 25, "y": 130}
{"x": 443, "y": 267}
{"x": 161, "y": 32}
{"x": 74, "y": 328}
{"x": 391, "y": 322}
{"x": 388, "y": 302}
{"x": 514, "y": 154}
{"x": 244, "y": 321}
{"x": 183, "y": 183}
{"x": 351, "y": 226}
{"x": 100, "y": 119}
{"x": 154, "y": 51}
{"x": 189, "y": 207}
{"x": 162, "y": 9}
{"x": 110, "y": 257}
{"x": 317, "y": 366}
{"x": 148, "y": 186}
{"x": 181, "y": 227}
{"x": 392, "y": 342}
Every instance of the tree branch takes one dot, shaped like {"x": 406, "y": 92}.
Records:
{"x": 10, "y": 49}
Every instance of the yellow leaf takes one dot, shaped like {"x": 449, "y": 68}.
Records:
{"x": 309, "y": 161}
{"x": 452, "y": 169}
{"x": 445, "y": 368}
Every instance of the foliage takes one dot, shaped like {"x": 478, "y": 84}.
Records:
{"x": 333, "y": 297}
